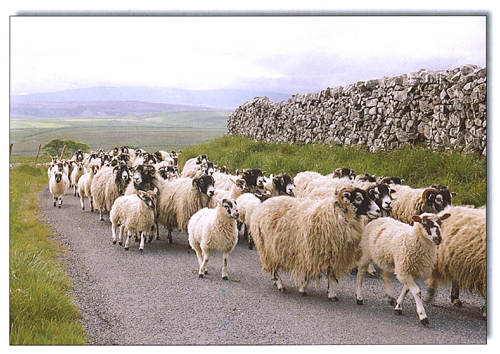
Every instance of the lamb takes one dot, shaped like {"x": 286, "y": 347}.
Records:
{"x": 409, "y": 201}
{"x": 280, "y": 185}
{"x": 404, "y": 250}
{"x": 461, "y": 257}
{"x": 78, "y": 172}
{"x": 134, "y": 212}
{"x": 311, "y": 237}
{"x": 58, "y": 186}
{"x": 107, "y": 185}
{"x": 181, "y": 199}
{"x": 84, "y": 184}
{"x": 214, "y": 229}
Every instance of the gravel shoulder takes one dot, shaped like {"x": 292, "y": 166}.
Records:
{"x": 156, "y": 297}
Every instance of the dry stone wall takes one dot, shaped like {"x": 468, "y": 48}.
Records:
{"x": 446, "y": 109}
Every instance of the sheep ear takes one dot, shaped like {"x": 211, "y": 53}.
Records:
{"x": 346, "y": 196}
{"x": 445, "y": 216}
{"x": 392, "y": 191}
{"x": 416, "y": 218}
{"x": 217, "y": 200}
{"x": 454, "y": 194}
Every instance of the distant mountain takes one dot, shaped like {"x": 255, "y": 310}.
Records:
{"x": 226, "y": 99}
{"x": 93, "y": 108}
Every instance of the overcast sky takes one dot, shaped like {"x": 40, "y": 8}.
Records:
{"x": 281, "y": 54}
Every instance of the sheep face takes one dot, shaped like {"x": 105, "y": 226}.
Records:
{"x": 362, "y": 203}
{"x": 58, "y": 176}
{"x": 79, "y": 155}
{"x": 381, "y": 195}
{"x": 121, "y": 172}
{"x": 149, "y": 159}
{"x": 79, "y": 166}
{"x": 432, "y": 225}
{"x": 284, "y": 184}
{"x": 208, "y": 168}
{"x": 124, "y": 150}
{"x": 143, "y": 173}
{"x": 366, "y": 177}
{"x": 168, "y": 172}
{"x": 106, "y": 160}
{"x": 202, "y": 160}
{"x": 437, "y": 199}
{"x": 149, "y": 198}
{"x": 254, "y": 177}
{"x": 344, "y": 173}
{"x": 392, "y": 180}
{"x": 205, "y": 185}
{"x": 230, "y": 206}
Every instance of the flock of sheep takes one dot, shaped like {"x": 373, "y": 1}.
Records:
{"x": 310, "y": 225}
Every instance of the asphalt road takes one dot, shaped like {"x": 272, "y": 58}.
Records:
{"x": 156, "y": 297}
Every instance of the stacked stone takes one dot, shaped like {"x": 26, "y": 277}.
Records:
{"x": 446, "y": 109}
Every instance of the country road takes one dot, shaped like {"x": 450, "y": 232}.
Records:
{"x": 156, "y": 297}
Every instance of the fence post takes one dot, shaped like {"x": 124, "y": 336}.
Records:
{"x": 62, "y": 154}
{"x": 11, "y": 146}
{"x": 38, "y": 153}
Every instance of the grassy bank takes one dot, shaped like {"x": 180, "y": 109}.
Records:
{"x": 419, "y": 166}
{"x": 42, "y": 312}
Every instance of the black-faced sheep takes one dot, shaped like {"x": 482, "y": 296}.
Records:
{"x": 181, "y": 199}
{"x": 193, "y": 165}
{"x": 107, "y": 185}
{"x": 58, "y": 186}
{"x": 214, "y": 229}
{"x": 77, "y": 172}
{"x": 404, "y": 250}
{"x": 280, "y": 185}
{"x": 409, "y": 201}
{"x": 311, "y": 237}
{"x": 461, "y": 257}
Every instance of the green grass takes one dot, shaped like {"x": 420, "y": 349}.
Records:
{"x": 42, "y": 311}
{"x": 166, "y": 131}
{"x": 419, "y": 166}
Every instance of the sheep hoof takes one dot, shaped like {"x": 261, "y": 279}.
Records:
{"x": 141, "y": 250}
{"x": 392, "y": 301}
{"x": 206, "y": 272}
{"x": 169, "y": 239}
{"x": 200, "y": 276}
{"x": 225, "y": 278}
{"x": 334, "y": 299}
{"x": 120, "y": 243}
{"x": 83, "y": 208}
{"x": 59, "y": 206}
{"x": 303, "y": 293}
{"x": 250, "y": 246}
{"x": 126, "y": 248}
{"x": 424, "y": 321}
{"x": 398, "y": 311}
{"x": 457, "y": 302}
{"x": 114, "y": 242}
{"x": 359, "y": 302}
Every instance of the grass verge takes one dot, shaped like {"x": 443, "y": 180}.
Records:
{"x": 42, "y": 311}
{"x": 419, "y": 166}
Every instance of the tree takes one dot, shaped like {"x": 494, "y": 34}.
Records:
{"x": 55, "y": 147}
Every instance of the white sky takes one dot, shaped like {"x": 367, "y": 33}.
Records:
{"x": 283, "y": 54}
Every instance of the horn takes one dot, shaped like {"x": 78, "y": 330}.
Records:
{"x": 427, "y": 192}
{"x": 340, "y": 195}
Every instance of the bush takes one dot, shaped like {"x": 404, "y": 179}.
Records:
{"x": 55, "y": 147}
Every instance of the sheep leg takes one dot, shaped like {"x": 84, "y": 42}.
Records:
{"x": 113, "y": 231}
{"x": 199, "y": 255}
{"x": 303, "y": 286}
{"x": 389, "y": 290}
{"x": 82, "y": 203}
{"x": 454, "y": 294}
{"x": 100, "y": 215}
{"x": 331, "y": 291}
{"x": 55, "y": 200}
{"x": 120, "y": 236}
{"x": 91, "y": 204}
{"x": 169, "y": 236}
{"x": 398, "y": 310}
{"x": 143, "y": 239}
{"x": 359, "y": 286}
{"x": 432, "y": 288}
{"x": 225, "y": 274}
{"x": 206, "y": 258}
{"x": 127, "y": 240}
{"x": 277, "y": 281}
{"x": 60, "y": 201}
{"x": 415, "y": 291}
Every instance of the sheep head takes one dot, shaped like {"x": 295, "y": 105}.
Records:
{"x": 432, "y": 225}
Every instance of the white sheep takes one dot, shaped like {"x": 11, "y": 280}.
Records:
{"x": 401, "y": 249}
{"x": 409, "y": 201}
{"x": 78, "y": 172}
{"x": 84, "y": 184}
{"x": 134, "y": 213}
{"x": 247, "y": 203}
{"x": 311, "y": 237}
{"x": 180, "y": 199}
{"x": 193, "y": 165}
{"x": 214, "y": 229}
{"x": 107, "y": 185}
{"x": 58, "y": 186}
{"x": 461, "y": 257}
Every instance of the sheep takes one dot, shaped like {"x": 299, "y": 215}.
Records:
{"x": 461, "y": 257}
{"x": 58, "y": 186}
{"x": 135, "y": 212}
{"x": 193, "y": 165}
{"x": 307, "y": 182}
{"x": 78, "y": 156}
{"x": 168, "y": 173}
{"x": 145, "y": 158}
{"x": 107, "y": 185}
{"x": 84, "y": 184}
{"x": 224, "y": 181}
{"x": 280, "y": 185}
{"x": 78, "y": 172}
{"x": 247, "y": 202}
{"x": 181, "y": 199}
{"x": 214, "y": 229}
{"x": 404, "y": 250}
{"x": 311, "y": 237}
{"x": 409, "y": 201}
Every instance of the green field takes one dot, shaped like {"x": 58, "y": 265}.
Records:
{"x": 166, "y": 131}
